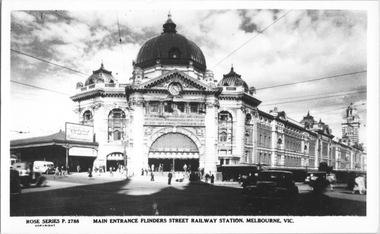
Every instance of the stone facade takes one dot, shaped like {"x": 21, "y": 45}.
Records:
{"x": 174, "y": 113}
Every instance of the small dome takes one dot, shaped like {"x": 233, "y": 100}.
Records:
{"x": 233, "y": 79}
{"x": 100, "y": 76}
{"x": 170, "y": 48}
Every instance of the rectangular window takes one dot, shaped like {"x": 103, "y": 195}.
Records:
{"x": 194, "y": 107}
{"x": 153, "y": 107}
{"x": 181, "y": 106}
{"x": 168, "y": 107}
{"x": 227, "y": 161}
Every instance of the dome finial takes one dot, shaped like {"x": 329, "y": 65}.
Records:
{"x": 102, "y": 65}
{"x": 169, "y": 26}
{"x": 232, "y": 67}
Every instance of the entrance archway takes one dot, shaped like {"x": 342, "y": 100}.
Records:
{"x": 114, "y": 160}
{"x": 173, "y": 150}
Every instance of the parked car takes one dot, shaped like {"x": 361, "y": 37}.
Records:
{"x": 272, "y": 184}
{"x": 28, "y": 176}
{"x": 45, "y": 167}
{"x": 317, "y": 180}
{"x": 15, "y": 187}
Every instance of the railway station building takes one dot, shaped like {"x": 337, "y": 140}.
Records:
{"x": 174, "y": 112}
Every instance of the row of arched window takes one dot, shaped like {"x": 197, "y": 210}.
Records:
{"x": 156, "y": 107}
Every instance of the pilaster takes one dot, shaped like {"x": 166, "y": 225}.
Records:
{"x": 210, "y": 156}
{"x": 136, "y": 157}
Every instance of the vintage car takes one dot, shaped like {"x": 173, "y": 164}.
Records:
{"x": 44, "y": 167}
{"x": 15, "y": 188}
{"x": 318, "y": 180}
{"x": 272, "y": 184}
{"x": 28, "y": 176}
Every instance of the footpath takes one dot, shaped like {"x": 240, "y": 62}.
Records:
{"x": 82, "y": 178}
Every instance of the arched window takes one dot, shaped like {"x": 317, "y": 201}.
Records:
{"x": 248, "y": 119}
{"x": 174, "y": 53}
{"x": 87, "y": 117}
{"x": 116, "y": 125}
{"x": 223, "y": 137}
{"x": 225, "y": 127}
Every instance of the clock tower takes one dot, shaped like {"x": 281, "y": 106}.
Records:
{"x": 350, "y": 128}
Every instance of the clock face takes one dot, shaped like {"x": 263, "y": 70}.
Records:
{"x": 175, "y": 88}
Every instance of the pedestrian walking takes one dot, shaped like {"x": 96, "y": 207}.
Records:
{"x": 111, "y": 174}
{"x": 212, "y": 178}
{"x": 170, "y": 176}
{"x": 151, "y": 176}
{"x": 359, "y": 185}
{"x": 56, "y": 173}
{"x": 78, "y": 168}
{"x": 63, "y": 171}
{"x": 331, "y": 180}
{"x": 89, "y": 174}
{"x": 60, "y": 171}
{"x": 185, "y": 167}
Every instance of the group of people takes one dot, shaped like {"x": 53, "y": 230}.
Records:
{"x": 61, "y": 171}
{"x": 102, "y": 169}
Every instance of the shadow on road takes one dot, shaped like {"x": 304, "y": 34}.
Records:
{"x": 114, "y": 199}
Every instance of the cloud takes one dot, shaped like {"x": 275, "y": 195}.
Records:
{"x": 303, "y": 45}
{"x": 22, "y": 17}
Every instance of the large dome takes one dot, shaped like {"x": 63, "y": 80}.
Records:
{"x": 170, "y": 48}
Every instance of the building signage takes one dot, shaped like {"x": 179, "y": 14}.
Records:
{"x": 80, "y": 151}
{"x": 78, "y": 132}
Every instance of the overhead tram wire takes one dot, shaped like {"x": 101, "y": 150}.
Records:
{"x": 121, "y": 45}
{"x": 310, "y": 99}
{"x": 253, "y": 38}
{"x": 331, "y": 110}
{"x": 343, "y": 92}
{"x": 36, "y": 87}
{"x": 31, "y": 56}
{"x": 317, "y": 79}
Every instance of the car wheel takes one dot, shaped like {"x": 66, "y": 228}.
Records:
{"x": 41, "y": 181}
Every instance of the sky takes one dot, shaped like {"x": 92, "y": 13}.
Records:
{"x": 285, "y": 48}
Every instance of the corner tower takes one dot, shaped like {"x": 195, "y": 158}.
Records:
{"x": 350, "y": 128}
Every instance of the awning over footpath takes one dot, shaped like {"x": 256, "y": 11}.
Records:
{"x": 115, "y": 156}
{"x": 58, "y": 138}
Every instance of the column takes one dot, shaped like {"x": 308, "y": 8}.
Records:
{"x": 274, "y": 144}
{"x": 137, "y": 156}
{"x": 101, "y": 132}
{"x": 316, "y": 155}
{"x": 240, "y": 131}
{"x": 211, "y": 126}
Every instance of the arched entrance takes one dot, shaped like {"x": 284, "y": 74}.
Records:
{"x": 114, "y": 160}
{"x": 174, "y": 150}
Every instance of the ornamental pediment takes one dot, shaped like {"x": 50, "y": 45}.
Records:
{"x": 175, "y": 82}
